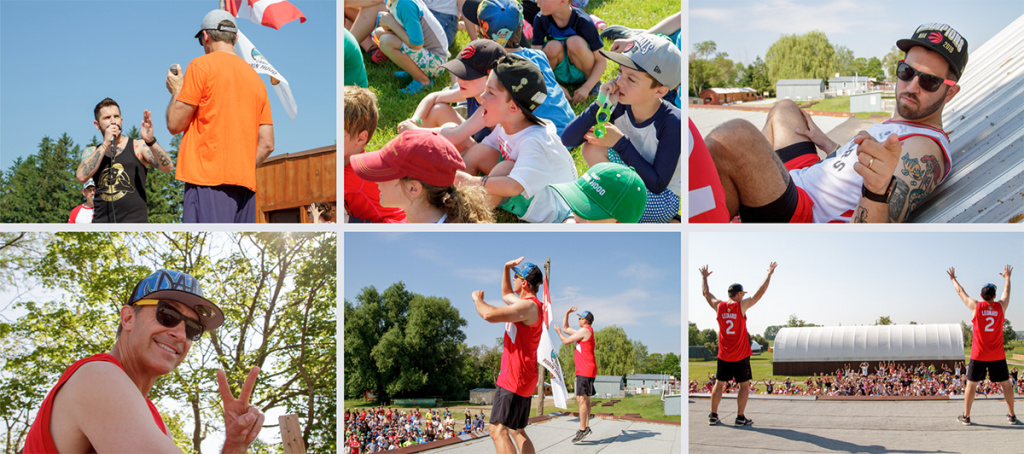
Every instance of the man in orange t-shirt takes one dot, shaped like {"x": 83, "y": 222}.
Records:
{"x": 222, "y": 107}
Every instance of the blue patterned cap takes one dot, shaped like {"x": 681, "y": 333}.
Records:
{"x": 181, "y": 287}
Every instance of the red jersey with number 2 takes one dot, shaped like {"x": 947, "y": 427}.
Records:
{"x": 733, "y": 340}
{"x": 987, "y": 332}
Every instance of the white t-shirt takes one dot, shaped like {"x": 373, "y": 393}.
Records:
{"x": 834, "y": 186}
{"x": 540, "y": 160}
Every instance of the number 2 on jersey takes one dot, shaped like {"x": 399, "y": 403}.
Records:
{"x": 988, "y": 327}
{"x": 729, "y": 329}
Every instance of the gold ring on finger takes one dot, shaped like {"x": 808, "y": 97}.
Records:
{"x": 872, "y": 161}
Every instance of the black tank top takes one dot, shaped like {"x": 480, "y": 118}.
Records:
{"x": 121, "y": 189}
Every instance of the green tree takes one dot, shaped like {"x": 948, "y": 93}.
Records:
{"x": 566, "y": 356}
{"x": 1009, "y": 335}
{"x": 702, "y": 69}
{"x": 771, "y": 331}
{"x": 652, "y": 364}
{"x": 615, "y": 354}
{"x": 968, "y": 335}
{"x": 807, "y": 56}
{"x": 710, "y": 337}
{"x": 874, "y": 69}
{"x": 400, "y": 344}
{"x": 795, "y": 322}
{"x": 41, "y": 188}
{"x": 694, "y": 336}
{"x": 844, "y": 60}
{"x": 672, "y": 365}
{"x": 883, "y": 320}
{"x": 890, "y": 61}
{"x": 756, "y": 76}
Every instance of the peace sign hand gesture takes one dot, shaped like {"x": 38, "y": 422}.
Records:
{"x": 242, "y": 421}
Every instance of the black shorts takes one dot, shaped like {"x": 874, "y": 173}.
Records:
{"x": 997, "y": 370}
{"x": 739, "y": 370}
{"x": 585, "y": 386}
{"x": 782, "y": 208}
{"x": 510, "y": 409}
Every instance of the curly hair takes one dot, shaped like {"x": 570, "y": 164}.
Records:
{"x": 461, "y": 205}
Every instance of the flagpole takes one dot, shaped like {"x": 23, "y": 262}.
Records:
{"x": 540, "y": 367}
{"x": 224, "y": 5}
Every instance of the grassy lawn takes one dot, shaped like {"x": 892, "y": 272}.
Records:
{"x": 760, "y": 367}
{"x": 649, "y": 407}
{"x": 394, "y": 107}
{"x": 839, "y": 104}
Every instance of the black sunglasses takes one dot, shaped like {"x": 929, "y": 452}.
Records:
{"x": 928, "y": 82}
{"x": 169, "y": 317}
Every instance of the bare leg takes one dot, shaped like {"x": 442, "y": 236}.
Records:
{"x": 364, "y": 22}
{"x": 741, "y": 398}
{"x": 580, "y": 54}
{"x": 481, "y": 158}
{"x": 441, "y": 114}
{"x": 1008, "y": 395}
{"x": 594, "y": 154}
{"x": 523, "y": 442}
{"x": 502, "y": 443}
{"x": 745, "y": 161}
{"x": 783, "y": 119}
{"x": 584, "y": 403}
{"x": 391, "y": 45}
{"x": 716, "y": 395}
{"x": 972, "y": 387}
{"x": 553, "y": 50}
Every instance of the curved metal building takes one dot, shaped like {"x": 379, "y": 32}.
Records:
{"x": 804, "y": 351}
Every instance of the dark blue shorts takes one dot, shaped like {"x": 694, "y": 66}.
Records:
{"x": 224, "y": 204}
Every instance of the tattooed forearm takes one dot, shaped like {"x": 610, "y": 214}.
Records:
{"x": 860, "y": 215}
{"x": 160, "y": 157}
{"x": 898, "y": 201}
{"x": 88, "y": 166}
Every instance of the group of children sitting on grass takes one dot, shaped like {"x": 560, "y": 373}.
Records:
{"x": 509, "y": 147}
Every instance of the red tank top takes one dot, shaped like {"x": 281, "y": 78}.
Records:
{"x": 39, "y": 439}
{"x": 519, "y": 358}
{"x": 707, "y": 198}
{"x": 987, "y": 332}
{"x": 584, "y": 357}
{"x": 733, "y": 340}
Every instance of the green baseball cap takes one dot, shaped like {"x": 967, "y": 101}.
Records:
{"x": 606, "y": 190}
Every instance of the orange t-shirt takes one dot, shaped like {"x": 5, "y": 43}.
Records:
{"x": 219, "y": 145}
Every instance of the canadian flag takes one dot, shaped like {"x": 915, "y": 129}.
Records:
{"x": 272, "y": 13}
{"x": 547, "y": 356}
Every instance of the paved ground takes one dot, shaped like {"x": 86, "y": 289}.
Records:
{"x": 609, "y": 437}
{"x": 838, "y": 426}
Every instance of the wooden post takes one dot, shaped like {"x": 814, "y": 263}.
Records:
{"x": 291, "y": 434}
{"x": 540, "y": 367}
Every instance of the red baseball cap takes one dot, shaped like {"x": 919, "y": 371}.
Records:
{"x": 416, "y": 153}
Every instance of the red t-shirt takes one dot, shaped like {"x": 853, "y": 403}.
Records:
{"x": 987, "y": 332}
{"x": 586, "y": 366}
{"x": 362, "y": 200}
{"x": 39, "y": 439}
{"x": 353, "y": 446}
{"x": 733, "y": 340}
{"x": 707, "y": 198}
{"x": 519, "y": 356}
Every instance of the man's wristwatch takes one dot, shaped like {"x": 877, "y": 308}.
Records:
{"x": 880, "y": 198}
{"x": 150, "y": 144}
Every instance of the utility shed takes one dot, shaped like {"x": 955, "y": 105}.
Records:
{"x": 800, "y": 89}
{"x": 985, "y": 123}
{"x": 804, "y": 351}
{"x": 286, "y": 184}
{"x": 608, "y": 386}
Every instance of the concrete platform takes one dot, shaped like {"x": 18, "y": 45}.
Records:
{"x": 609, "y": 436}
{"x": 841, "y": 426}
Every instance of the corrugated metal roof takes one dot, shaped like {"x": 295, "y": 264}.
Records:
{"x": 733, "y": 90}
{"x": 985, "y": 123}
{"x": 798, "y": 82}
{"x": 647, "y": 377}
{"x": 840, "y": 343}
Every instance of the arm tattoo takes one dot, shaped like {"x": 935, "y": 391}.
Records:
{"x": 90, "y": 163}
{"x": 898, "y": 201}
{"x": 861, "y": 215}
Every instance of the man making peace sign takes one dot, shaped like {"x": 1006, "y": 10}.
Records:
{"x": 100, "y": 404}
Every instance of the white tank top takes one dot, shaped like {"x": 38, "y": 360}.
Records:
{"x": 834, "y": 186}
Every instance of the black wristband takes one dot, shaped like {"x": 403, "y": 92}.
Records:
{"x": 150, "y": 144}
{"x": 880, "y": 198}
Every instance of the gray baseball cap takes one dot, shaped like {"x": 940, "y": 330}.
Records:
{"x": 88, "y": 184}
{"x": 654, "y": 55}
{"x": 212, "y": 22}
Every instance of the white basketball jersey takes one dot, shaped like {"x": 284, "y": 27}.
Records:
{"x": 834, "y": 186}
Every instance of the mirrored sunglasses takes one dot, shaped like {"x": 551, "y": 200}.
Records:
{"x": 928, "y": 82}
{"x": 169, "y": 317}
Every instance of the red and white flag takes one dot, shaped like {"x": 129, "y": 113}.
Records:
{"x": 548, "y": 356}
{"x": 272, "y": 13}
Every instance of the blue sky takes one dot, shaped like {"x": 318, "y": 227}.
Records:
{"x": 853, "y": 278}
{"x": 628, "y": 279}
{"x": 55, "y": 66}
{"x": 746, "y": 29}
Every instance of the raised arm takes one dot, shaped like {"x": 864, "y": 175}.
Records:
{"x": 748, "y": 302}
{"x": 153, "y": 155}
{"x": 712, "y": 301}
{"x": 578, "y": 335}
{"x": 1005, "y": 301}
{"x": 522, "y": 310}
{"x": 971, "y": 303}
{"x": 506, "y": 281}
{"x": 565, "y": 321}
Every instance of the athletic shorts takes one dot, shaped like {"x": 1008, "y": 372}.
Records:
{"x": 426, "y": 61}
{"x": 739, "y": 370}
{"x": 224, "y": 204}
{"x": 565, "y": 72}
{"x": 510, "y": 409}
{"x": 794, "y": 205}
{"x": 997, "y": 370}
{"x": 585, "y": 386}
{"x": 660, "y": 208}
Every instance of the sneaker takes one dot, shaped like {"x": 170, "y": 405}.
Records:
{"x": 377, "y": 56}
{"x": 713, "y": 419}
{"x": 1011, "y": 419}
{"x": 965, "y": 420}
{"x": 586, "y": 432}
{"x": 743, "y": 421}
{"x": 576, "y": 437}
{"x": 414, "y": 87}
{"x": 403, "y": 75}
